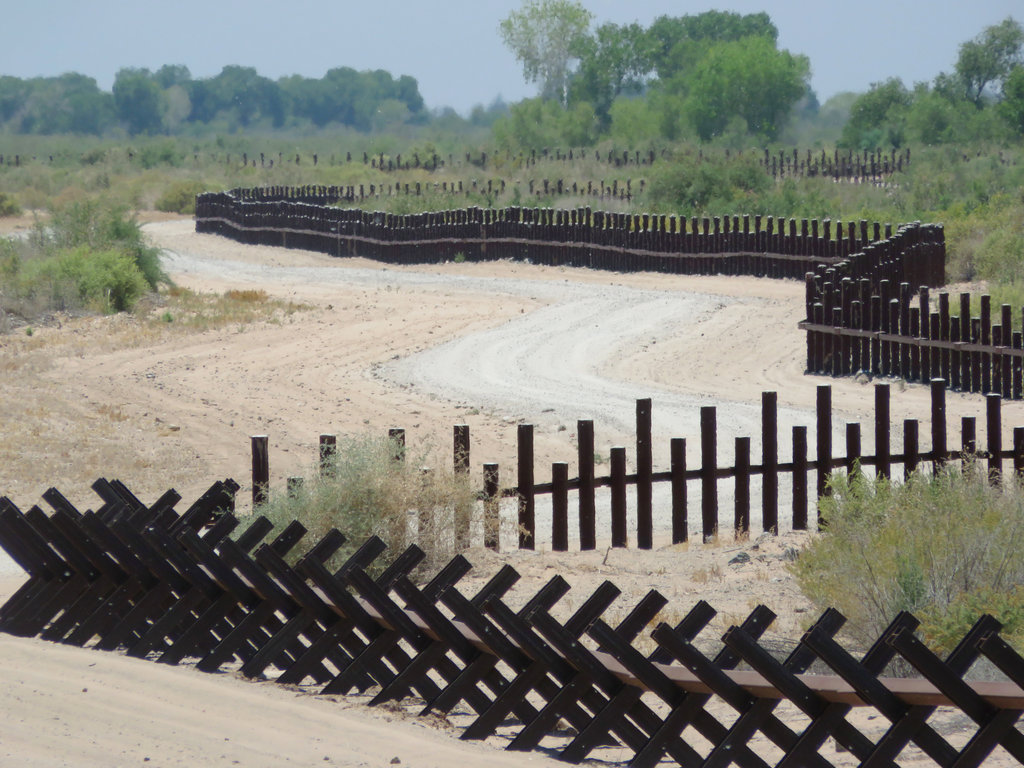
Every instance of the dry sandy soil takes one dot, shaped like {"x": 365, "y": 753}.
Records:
{"x": 424, "y": 348}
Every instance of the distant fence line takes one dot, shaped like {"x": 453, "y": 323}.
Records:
{"x": 305, "y": 217}
{"x": 867, "y": 166}
{"x": 806, "y": 459}
{"x": 871, "y": 165}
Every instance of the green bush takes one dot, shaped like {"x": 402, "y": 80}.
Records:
{"x": 108, "y": 281}
{"x": 8, "y": 205}
{"x": 942, "y": 547}
{"x": 368, "y": 491}
{"x": 104, "y": 281}
{"x": 102, "y": 227}
{"x": 180, "y": 197}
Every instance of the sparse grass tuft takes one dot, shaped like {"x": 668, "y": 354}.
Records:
{"x": 207, "y": 311}
{"x": 704, "y": 575}
{"x": 249, "y": 296}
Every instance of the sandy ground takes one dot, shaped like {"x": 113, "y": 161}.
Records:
{"x": 489, "y": 345}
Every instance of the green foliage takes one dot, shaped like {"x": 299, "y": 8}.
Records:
{"x": 351, "y": 98}
{"x": 137, "y": 101}
{"x": 180, "y": 197}
{"x": 108, "y": 281}
{"x": 86, "y": 257}
{"x": 1012, "y": 106}
{"x": 102, "y": 228}
{"x": 978, "y": 200}
{"x": 99, "y": 280}
{"x": 676, "y": 43}
{"x": 941, "y": 547}
{"x": 692, "y": 185}
{"x": 70, "y": 103}
{"x": 749, "y": 79}
{"x": 989, "y": 58}
{"x": 877, "y": 119}
{"x": 535, "y": 123}
{"x": 543, "y": 35}
{"x": 160, "y": 153}
{"x": 944, "y": 627}
{"x": 634, "y": 122}
{"x": 8, "y": 205}
{"x": 370, "y": 492}
{"x": 614, "y": 61}
{"x": 147, "y": 103}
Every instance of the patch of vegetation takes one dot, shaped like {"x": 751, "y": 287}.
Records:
{"x": 947, "y": 548}
{"x": 8, "y": 205}
{"x": 692, "y": 185}
{"x": 191, "y": 311}
{"x": 373, "y": 489}
{"x": 180, "y": 197}
{"x": 85, "y": 257}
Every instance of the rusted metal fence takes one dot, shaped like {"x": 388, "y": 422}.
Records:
{"x": 167, "y": 587}
{"x": 873, "y": 166}
{"x": 803, "y": 470}
{"x": 301, "y": 217}
{"x": 895, "y": 331}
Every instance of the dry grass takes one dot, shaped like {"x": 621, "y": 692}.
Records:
{"x": 193, "y": 311}
{"x": 374, "y": 489}
{"x": 50, "y": 435}
{"x": 172, "y": 311}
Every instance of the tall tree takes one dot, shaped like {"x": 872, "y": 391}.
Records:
{"x": 749, "y": 79}
{"x": 877, "y": 117}
{"x": 543, "y": 36}
{"x": 613, "y": 61}
{"x": 676, "y": 43}
{"x": 137, "y": 101}
{"x": 1012, "y": 106}
{"x": 990, "y": 57}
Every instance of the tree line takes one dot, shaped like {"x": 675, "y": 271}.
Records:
{"x": 981, "y": 99}
{"x": 170, "y": 100}
{"x": 717, "y": 76}
{"x": 720, "y": 76}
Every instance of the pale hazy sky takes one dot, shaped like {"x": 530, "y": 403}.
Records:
{"x": 452, "y": 47}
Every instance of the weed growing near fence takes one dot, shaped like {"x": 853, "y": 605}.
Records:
{"x": 372, "y": 489}
{"x": 947, "y": 548}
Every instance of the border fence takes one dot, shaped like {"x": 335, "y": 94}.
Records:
{"x": 171, "y": 587}
{"x": 804, "y": 474}
{"x": 766, "y": 246}
{"x": 888, "y": 329}
{"x": 872, "y": 166}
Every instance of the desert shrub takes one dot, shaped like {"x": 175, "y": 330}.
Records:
{"x": 368, "y": 491}
{"x": 107, "y": 281}
{"x": 943, "y": 547}
{"x": 180, "y": 197}
{"x": 103, "y": 281}
{"x": 8, "y": 205}
{"x": 101, "y": 227}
